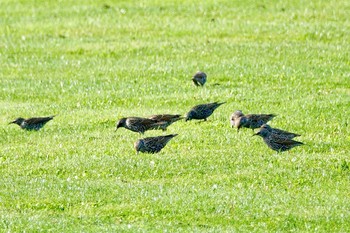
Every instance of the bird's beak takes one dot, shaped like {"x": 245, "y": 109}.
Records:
{"x": 12, "y": 122}
{"x": 258, "y": 133}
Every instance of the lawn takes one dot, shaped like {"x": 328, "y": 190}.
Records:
{"x": 93, "y": 62}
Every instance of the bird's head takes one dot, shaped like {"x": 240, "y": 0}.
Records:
{"x": 189, "y": 116}
{"x": 121, "y": 123}
{"x": 138, "y": 145}
{"x": 262, "y": 133}
{"x": 18, "y": 121}
{"x": 237, "y": 114}
{"x": 266, "y": 127}
{"x": 257, "y": 134}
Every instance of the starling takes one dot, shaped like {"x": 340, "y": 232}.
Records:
{"x": 34, "y": 123}
{"x": 199, "y": 78}
{"x": 276, "y": 141}
{"x": 281, "y": 133}
{"x": 141, "y": 125}
{"x": 152, "y": 144}
{"x": 252, "y": 121}
{"x": 202, "y": 111}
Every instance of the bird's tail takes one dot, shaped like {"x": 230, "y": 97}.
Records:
{"x": 219, "y": 103}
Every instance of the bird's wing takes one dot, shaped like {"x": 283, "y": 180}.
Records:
{"x": 204, "y": 107}
{"x": 284, "y": 141}
{"x": 198, "y": 108}
{"x": 260, "y": 117}
{"x": 165, "y": 117}
{"x": 154, "y": 141}
{"x": 267, "y": 117}
{"x": 214, "y": 105}
{"x": 165, "y": 139}
{"x": 140, "y": 120}
{"x": 288, "y": 134}
{"x": 38, "y": 120}
{"x": 157, "y": 117}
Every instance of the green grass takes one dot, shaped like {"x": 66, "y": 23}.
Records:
{"x": 91, "y": 65}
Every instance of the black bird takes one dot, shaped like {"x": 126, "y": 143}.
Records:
{"x": 202, "y": 111}
{"x": 251, "y": 121}
{"x": 141, "y": 125}
{"x": 34, "y": 123}
{"x": 277, "y": 142}
{"x": 281, "y": 133}
{"x": 199, "y": 78}
{"x": 152, "y": 144}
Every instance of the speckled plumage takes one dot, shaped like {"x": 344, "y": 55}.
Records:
{"x": 35, "y": 123}
{"x": 281, "y": 133}
{"x": 152, "y": 144}
{"x": 140, "y": 124}
{"x": 170, "y": 118}
{"x": 277, "y": 142}
{"x": 251, "y": 121}
{"x": 202, "y": 111}
{"x": 199, "y": 78}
